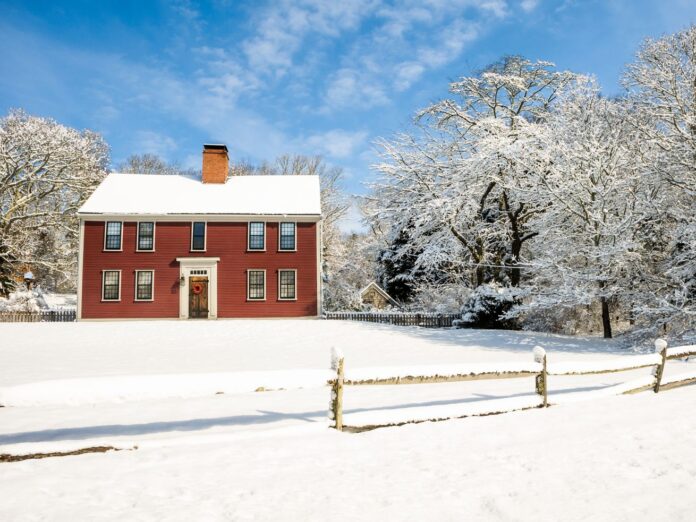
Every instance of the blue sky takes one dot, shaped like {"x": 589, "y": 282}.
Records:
{"x": 309, "y": 76}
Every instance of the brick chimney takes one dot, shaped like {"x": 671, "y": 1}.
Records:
{"x": 215, "y": 163}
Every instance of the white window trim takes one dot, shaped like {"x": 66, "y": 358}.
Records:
{"x": 137, "y": 235}
{"x": 106, "y": 225}
{"x": 205, "y": 237}
{"x": 120, "y": 281}
{"x": 279, "y": 235}
{"x": 249, "y": 271}
{"x": 249, "y": 249}
{"x": 294, "y": 270}
{"x": 135, "y": 294}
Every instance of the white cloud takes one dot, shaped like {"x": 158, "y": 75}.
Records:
{"x": 352, "y": 221}
{"x": 151, "y": 142}
{"x": 285, "y": 26}
{"x": 529, "y": 5}
{"x": 406, "y": 74}
{"x": 449, "y": 45}
{"x": 336, "y": 143}
{"x": 354, "y": 88}
{"x": 409, "y": 39}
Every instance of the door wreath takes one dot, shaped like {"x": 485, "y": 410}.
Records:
{"x": 197, "y": 288}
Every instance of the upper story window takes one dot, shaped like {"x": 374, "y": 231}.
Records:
{"x": 112, "y": 235}
{"x": 111, "y": 285}
{"x": 146, "y": 236}
{"x": 198, "y": 236}
{"x": 287, "y": 236}
{"x": 257, "y": 235}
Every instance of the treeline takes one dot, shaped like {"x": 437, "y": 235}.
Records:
{"x": 532, "y": 200}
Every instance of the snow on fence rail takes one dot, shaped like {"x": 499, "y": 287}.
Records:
{"x": 540, "y": 369}
{"x": 428, "y": 320}
{"x": 43, "y": 316}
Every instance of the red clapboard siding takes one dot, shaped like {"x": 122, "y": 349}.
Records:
{"x": 226, "y": 240}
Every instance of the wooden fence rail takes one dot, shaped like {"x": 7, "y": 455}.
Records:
{"x": 428, "y": 320}
{"x": 44, "y": 316}
{"x": 540, "y": 370}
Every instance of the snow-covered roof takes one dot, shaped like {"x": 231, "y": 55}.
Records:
{"x": 138, "y": 194}
{"x": 379, "y": 290}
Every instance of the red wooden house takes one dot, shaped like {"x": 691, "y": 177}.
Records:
{"x": 177, "y": 247}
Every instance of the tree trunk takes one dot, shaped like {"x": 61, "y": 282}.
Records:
{"x": 606, "y": 318}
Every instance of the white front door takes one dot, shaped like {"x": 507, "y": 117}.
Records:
{"x": 197, "y": 267}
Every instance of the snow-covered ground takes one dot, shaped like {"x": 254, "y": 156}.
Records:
{"x": 620, "y": 459}
{"x": 247, "y": 455}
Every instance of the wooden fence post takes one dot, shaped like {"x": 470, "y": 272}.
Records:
{"x": 337, "y": 363}
{"x": 661, "y": 348}
{"x": 541, "y": 381}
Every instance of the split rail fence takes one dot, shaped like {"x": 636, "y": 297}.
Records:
{"x": 427, "y": 320}
{"x": 44, "y": 316}
{"x": 540, "y": 369}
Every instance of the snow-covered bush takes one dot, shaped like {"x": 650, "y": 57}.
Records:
{"x": 488, "y": 306}
{"x": 21, "y": 301}
{"x": 443, "y": 298}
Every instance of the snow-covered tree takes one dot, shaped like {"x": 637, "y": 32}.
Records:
{"x": 47, "y": 170}
{"x": 352, "y": 267}
{"x": 590, "y": 248}
{"x": 461, "y": 179}
{"x": 662, "y": 87}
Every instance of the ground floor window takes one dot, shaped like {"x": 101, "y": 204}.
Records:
{"x": 111, "y": 285}
{"x": 256, "y": 285}
{"x": 287, "y": 284}
{"x": 143, "y": 285}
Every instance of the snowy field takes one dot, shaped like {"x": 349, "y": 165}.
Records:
{"x": 210, "y": 447}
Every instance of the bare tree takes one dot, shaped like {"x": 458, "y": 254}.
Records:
{"x": 152, "y": 164}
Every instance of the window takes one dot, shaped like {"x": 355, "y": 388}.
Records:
{"x": 287, "y": 236}
{"x": 146, "y": 236}
{"x": 257, "y": 235}
{"x": 286, "y": 284}
{"x": 112, "y": 239}
{"x": 144, "y": 280}
{"x": 111, "y": 285}
{"x": 256, "y": 285}
{"x": 198, "y": 235}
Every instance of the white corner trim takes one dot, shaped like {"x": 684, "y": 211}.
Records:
{"x": 80, "y": 261}
{"x": 320, "y": 269}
